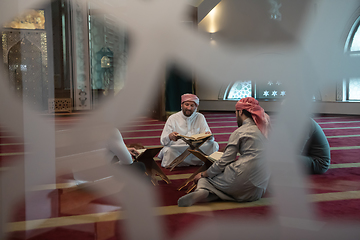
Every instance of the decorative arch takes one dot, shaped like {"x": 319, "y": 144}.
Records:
{"x": 349, "y": 89}
{"x": 238, "y": 90}
{"x": 24, "y": 51}
{"x": 352, "y": 44}
{"x": 24, "y": 62}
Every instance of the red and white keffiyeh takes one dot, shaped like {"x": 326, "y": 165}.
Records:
{"x": 261, "y": 119}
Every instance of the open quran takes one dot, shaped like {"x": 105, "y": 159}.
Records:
{"x": 196, "y": 136}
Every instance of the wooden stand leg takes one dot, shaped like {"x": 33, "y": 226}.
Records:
{"x": 192, "y": 146}
{"x": 157, "y": 169}
{"x": 192, "y": 187}
{"x": 152, "y": 169}
{"x": 179, "y": 159}
{"x": 191, "y": 178}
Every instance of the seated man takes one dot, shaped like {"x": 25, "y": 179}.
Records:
{"x": 316, "y": 150}
{"x": 246, "y": 178}
{"x": 116, "y": 153}
{"x": 185, "y": 122}
{"x": 123, "y": 154}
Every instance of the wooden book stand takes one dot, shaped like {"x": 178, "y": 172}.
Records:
{"x": 193, "y": 145}
{"x": 207, "y": 163}
{"x": 147, "y": 157}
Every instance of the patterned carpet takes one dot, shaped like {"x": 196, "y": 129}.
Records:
{"x": 335, "y": 195}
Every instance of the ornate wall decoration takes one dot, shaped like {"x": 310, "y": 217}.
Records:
{"x": 81, "y": 80}
{"x": 4, "y": 46}
{"x": 59, "y": 105}
{"x": 32, "y": 19}
{"x": 24, "y": 53}
{"x": 109, "y": 39}
{"x": 12, "y": 37}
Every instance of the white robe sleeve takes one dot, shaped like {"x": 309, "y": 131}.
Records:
{"x": 168, "y": 128}
{"x": 117, "y": 146}
{"x": 204, "y": 127}
{"x": 228, "y": 157}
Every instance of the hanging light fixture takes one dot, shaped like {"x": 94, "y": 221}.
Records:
{"x": 275, "y": 10}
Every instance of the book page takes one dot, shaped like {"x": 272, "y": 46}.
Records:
{"x": 200, "y": 135}
{"x": 196, "y": 136}
{"x": 215, "y": 156}
{"x": 141, "y": 150}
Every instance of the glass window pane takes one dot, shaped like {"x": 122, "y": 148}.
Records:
{"x": 240, "y": 90}
{"x": 355, "y": 45}
{"x": 271, "y": 90}
{"x": 354, "y": 89}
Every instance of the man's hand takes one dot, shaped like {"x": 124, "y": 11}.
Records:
{"x": 197, "y": 177}
{"x": 211, "y": 138}
{"x": 200, "y": 175}
{"x": 133, "y": 152}
{"x": 173, "y": 136}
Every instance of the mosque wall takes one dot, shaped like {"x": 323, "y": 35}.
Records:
{"x": 241, "y": 24}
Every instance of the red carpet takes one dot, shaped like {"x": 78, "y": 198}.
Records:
{"x": 343, "y": 134}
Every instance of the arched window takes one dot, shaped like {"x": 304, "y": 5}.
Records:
{"x": 353, "y": 40}
{"x": 350, "y": 89}
{"x": 238, "y": 90}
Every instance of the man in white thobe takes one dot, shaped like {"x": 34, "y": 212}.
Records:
{"x": 185, "y": 122}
